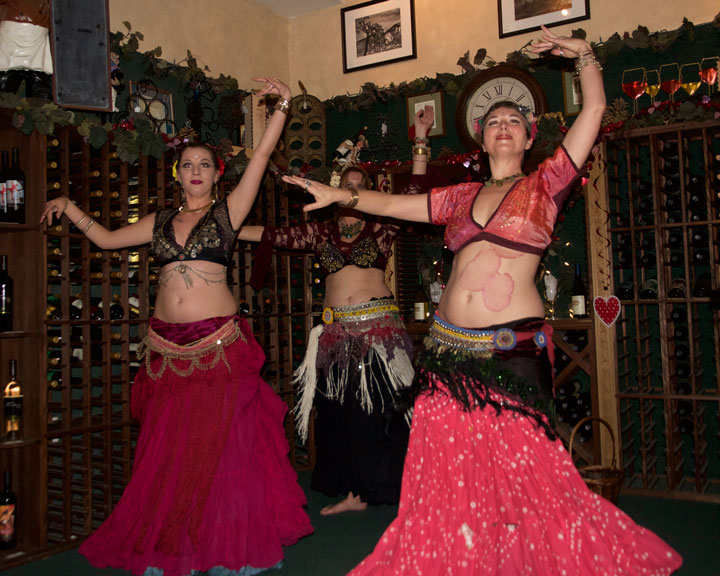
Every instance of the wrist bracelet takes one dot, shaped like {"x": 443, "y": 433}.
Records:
{"x": 354, "y": 197}
{"x": 420, "y": 140}
{"x": 283, "y": 105}
{"x": 77, "y": 224}
{"x": 585, "y": 59}
{"x": 421, "y": 150}
{"x": 89, "y": 225}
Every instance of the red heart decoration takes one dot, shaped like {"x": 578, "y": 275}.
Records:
{"x": 607, "y": 310}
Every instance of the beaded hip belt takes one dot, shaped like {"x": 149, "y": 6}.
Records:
{"x": 384, "y": 308}
{"x": 502, "y": 339}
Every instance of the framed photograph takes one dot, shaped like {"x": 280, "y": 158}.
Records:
{"x": 519, "y": 16}
{"x": 434, "y": 99}
{"x": 572, "y": 94}
{"x": 146, "y": 98}
{"x": 377, "y": 32}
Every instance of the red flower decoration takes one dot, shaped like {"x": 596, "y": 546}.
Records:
{"x": 221, "y": 166}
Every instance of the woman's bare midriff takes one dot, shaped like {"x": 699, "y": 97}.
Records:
{"x": 178, "y": 303}
{"x": 353, "y": 285}
{"x": 491, "y": 285}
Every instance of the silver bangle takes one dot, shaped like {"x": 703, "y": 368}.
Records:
{"x": 283, "y": 105}
{"x": 584, "y": 59}
{"x": 89, "y": 225}
{"x": 77, "y": 224}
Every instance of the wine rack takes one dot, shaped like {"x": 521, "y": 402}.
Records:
{"x": 663, "y": 189}
{"x": 80, "y": 315}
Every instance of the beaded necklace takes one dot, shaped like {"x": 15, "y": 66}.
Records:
{"x": 350, "y": 230}
{"x": 501, "y": 181}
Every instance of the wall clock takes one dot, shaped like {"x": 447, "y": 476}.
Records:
{"x": 489, "y": 86}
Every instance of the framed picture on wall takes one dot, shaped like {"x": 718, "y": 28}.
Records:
{"x": 519, "y": 16}
{"x": 419, "y": 101}
{"x": 376, "y": 33}
{"x": 572, "y": 94}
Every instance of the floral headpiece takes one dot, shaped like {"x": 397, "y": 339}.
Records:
{"x": 524, "y": 110}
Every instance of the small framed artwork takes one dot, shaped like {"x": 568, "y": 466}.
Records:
{"x": 419, "y": 101}
{"x": 376, "y": 33}
{"x": 572, "y": 94}
{"x": 146, "y": 98}
{"x": 519, "y": 16}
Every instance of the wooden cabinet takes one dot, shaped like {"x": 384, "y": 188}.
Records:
{"x": 663, "y": 214}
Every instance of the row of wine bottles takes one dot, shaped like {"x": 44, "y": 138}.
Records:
{"x": 115, "y": 309}
{"x": 702, "y": 288}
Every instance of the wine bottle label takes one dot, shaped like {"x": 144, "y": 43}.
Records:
{"x": 421, "y": 310}
{"x": 12, "y": 407}
{"x": 14, "y": 194}
{"x": 578, "y": 305}
{"x": 7, "y": 522}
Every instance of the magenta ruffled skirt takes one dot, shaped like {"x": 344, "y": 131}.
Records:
{"x": 211, "y": 485}
{"x": 489, "y": 493}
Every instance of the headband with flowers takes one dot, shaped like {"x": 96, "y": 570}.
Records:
{"x": 524, "y": 110}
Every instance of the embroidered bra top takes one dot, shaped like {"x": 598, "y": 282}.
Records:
{"x": 211, "y": 239}
{"x": 369, "y": 249}
{"x": 523, "y": 220}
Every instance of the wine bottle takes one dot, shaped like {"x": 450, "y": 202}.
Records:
{"x": 6, "y": 296}
{"x": 625, "y": 290}
{"x": 8, "y": 511}
{"x": 701, "y": 257}
{"x": 13, "y": 406}
{"x": 578, "y": 301}
{"x": 678, "y": 314}
{"x": 680, "y": 331}
{"x": 677, "y": 288}
{"x": 421, "y": 308}
{"x": 675, "y": 239}
{"x": 698, "y": 236}
{"x": 676, "y": 259}
{"x": 669, "y": 150}
{"x": 644, "y": 189}
{"x": 648, "y": 260}
{"x": 15, "y": 189}
{"x": 702, "y": 287}
{"x": 648, "y": 290}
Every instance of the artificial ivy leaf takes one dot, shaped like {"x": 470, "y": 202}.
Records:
{"x": 479, "y": 56}
{"x": 98, "y": 137}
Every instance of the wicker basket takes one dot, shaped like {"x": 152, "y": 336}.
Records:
{"x": 603, "y": 480}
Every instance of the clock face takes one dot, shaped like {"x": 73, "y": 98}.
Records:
{"x": 491, "y": 86}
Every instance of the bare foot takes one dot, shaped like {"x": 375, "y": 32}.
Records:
{"x": 350, "y": 504}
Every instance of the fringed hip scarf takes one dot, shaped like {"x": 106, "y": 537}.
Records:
{"x": 343, "y": 351}
{"x": 193, "y": 351}
{"x": 507, "y": 367}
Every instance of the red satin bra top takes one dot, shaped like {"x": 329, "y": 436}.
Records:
{"x": 524, "y": 219}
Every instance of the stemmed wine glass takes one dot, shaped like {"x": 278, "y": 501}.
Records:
{"x": 633, "y": 84}
{"x": 670, "y": 79}
{"x": 551, "y": 293}
{"x": 652, "y": 84}
{"x": 709, "y": 71}
{"x": 690, "y": 77}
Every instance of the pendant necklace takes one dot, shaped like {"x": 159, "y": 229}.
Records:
{"x": 185, "y": 210}
{"x": 501, "y": 181}
{"x": 350, "y": 230}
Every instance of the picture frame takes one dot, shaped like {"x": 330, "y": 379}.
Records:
{"x": 572, "y": 94}
{"x": 376, "y": 33}
{"x": 434, "y": 99}
{"x": 145, "y": 98}
{"x": 520, "y": 16}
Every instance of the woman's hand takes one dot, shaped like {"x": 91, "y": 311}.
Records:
{"x": 55, "y": 207}
{"x": 273, "y": 85}
{"x": 560, "y": 45}
{"x": 324, "y": 195}
{"x": 423, "y": 121}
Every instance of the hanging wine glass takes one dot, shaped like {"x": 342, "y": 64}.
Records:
{"x": 690, "y": 77}
{"x": 633, "y": 84}
{"x": 709, "y": 71}
{"x": 652, "y": 84}
{"x": 670, "y": 79}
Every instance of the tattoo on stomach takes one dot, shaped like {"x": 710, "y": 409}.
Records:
{"x": 482, "y": 274}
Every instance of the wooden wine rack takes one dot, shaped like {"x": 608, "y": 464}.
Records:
{"x": 663, "y": 194}
{"x": 76, "y": 363}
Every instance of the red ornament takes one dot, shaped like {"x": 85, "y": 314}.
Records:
{"x": 608, "y": 310}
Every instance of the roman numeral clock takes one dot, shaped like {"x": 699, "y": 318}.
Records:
{"x": 492, "y": 85}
